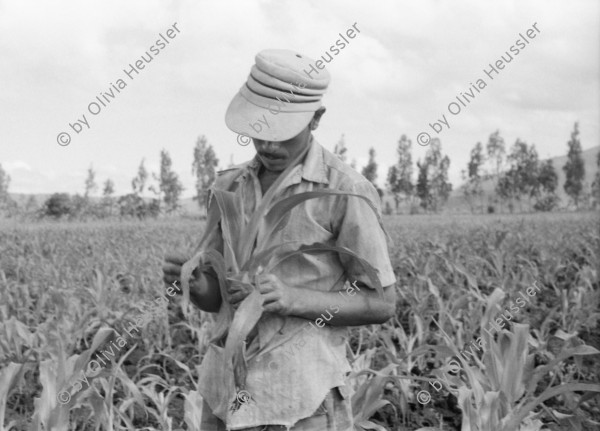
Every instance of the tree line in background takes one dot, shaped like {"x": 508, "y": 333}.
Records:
{"x": 519, "y": 177}
{"x": 516, "y": 177}
{"x": 166, "y": 191}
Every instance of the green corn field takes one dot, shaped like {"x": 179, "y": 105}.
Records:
{"x": 65, "y": 288}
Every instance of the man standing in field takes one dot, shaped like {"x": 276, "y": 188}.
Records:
{"x": 297, "y": 380}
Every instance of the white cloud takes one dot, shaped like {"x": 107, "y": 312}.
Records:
{"x": 409, "y": 61}
{"x": 17, "y": 165}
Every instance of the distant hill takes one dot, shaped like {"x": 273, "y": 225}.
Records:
{"x": 457, "y": 200}
{"x": 188, "y": 205}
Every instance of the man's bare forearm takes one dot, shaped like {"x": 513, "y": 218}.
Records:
{"x": 352, "y": 307}
{"x": 207, "y": 295}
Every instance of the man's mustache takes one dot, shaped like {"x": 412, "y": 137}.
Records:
{"x": 272, "y": 155}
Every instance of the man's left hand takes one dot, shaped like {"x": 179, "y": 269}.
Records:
{"x": 278, "y": 297}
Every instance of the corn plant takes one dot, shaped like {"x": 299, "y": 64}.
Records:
{"x": 58, "y": 376}
{"x": 9, "y": 379}
{"x": 501, "y": 390}
{"x": 241, "y": 264}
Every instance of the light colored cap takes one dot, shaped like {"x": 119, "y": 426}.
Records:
{"x": 280, "y": 97}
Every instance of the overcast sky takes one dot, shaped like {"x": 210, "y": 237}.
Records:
{"x": 410, "y": 60}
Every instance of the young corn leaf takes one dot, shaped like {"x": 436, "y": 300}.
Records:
{"x": 368, "y": 398}
{"x": 261, "y": 258}
{"x": 505, "y": 362}
{"x": 251, "y": 312}
{"x": 232, "y": 223}
{"x": 9, "y": 377}
{"x": 249, "y": 234}
{"x": 213, "y": 220}
{"x": 320, "y": 248}
{"x": 245, "y": 318}
{"x": 282, "y": 207}
{"x": 541, "y": 371}
{"x": 186, "y": 273}
{"x": 512, "y": 421}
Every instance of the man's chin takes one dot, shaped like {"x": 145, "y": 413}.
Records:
{"x": 274, "y": 164}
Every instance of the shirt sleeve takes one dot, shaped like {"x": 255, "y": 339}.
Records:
{"x": 359, "y": 231}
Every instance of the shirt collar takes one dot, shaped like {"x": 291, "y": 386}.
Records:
{"x": 313, "y": 167}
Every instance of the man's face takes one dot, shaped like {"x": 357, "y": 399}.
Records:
{"x": 276, "y": 156}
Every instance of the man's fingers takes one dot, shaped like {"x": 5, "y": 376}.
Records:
{"x": 170, "y": 279}
{"x": 265, "y": 278}
{"x": 170, "y": 268}
{"x": 232, "y": 288}
{"x": 177, "y": 258}
{"x": 265, "y": 287}
{"x": 176, "y": 286}
{"x": 270, "y": 298}
{"x": 272, "y": 307}
{"x": 238, "y": 295}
